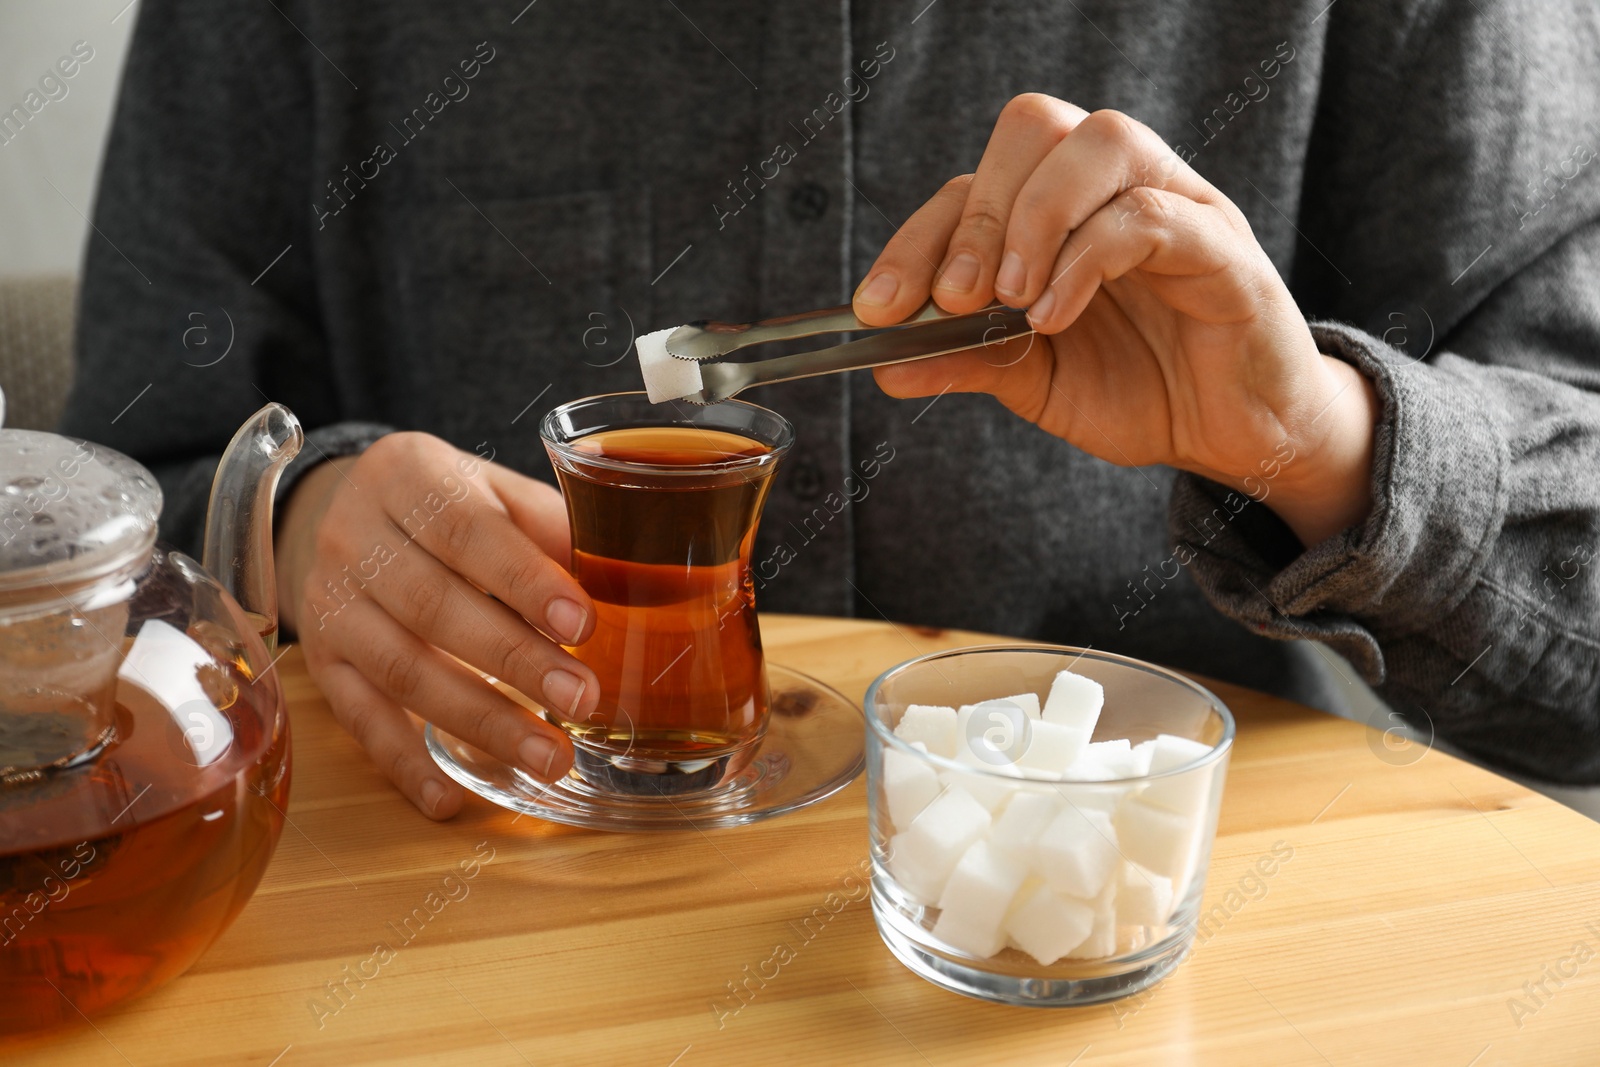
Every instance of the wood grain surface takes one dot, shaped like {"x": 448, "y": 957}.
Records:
{"x": 1430, "y": 913}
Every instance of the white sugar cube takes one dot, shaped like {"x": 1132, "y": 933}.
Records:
{"x": 983, "y": 882}
{"x": 914, "y": 864}
{"x": 964, "y": 715}
{"x": 974, "y": 939}
{"x": 909, "y": 785}
{"x": 1144, "y": 898}
{"x": 1028, "y": 702}
{"x": 933, "y": 725}
{"x": 1106, "y": 899}
{"x": 1047, "y": 926}
{"x": 1156, "y": 838}
{"x": 1025, "y": 817}
{"x": 666, "y": 377}
{"x": 1184, "y": 792}
{"x": 996, "y": 731}
{"x": 1110, "y": 750}
{"x": 1029, "y": 884}
{"x": 986, "y": 782}
{"x": 1102, "y": 939}
{"x": 1121, "y": 758}
{"x": 1074, "y": 701}
{"x": 1077, "y": 853}
{"x": 974, "y": 902}
{"x": 1169, "y": 751}
{"x": 1053, "y": 747}
{"x": 1088, "y": 796}
{"x": 922, "y": 856}
{"x": 1131, "y": 939}
{"x": 1089, "y": 768}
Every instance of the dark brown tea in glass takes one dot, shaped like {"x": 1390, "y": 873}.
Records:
{"x": 664, "y": 501}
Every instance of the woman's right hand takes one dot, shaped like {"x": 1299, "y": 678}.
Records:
{"x": 392, "y": 562}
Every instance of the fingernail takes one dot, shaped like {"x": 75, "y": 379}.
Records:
{"x": 1012, "y": 276}
{"x": 566, "y": 619}
{"x": 563, "y": 690}
{"x": 960, "y": 274}
{"x": 1039, "y": 313}
{"x": 432, "y": 795}
{"x": 879, "y": 290}
{"x": 537, "y": 754}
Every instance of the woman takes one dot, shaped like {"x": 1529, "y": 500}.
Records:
{"x": 1317, "y": 352}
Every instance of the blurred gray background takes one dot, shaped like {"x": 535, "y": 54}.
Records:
{"x": 48, "y": 170}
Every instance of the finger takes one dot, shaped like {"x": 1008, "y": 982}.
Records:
{"x": 1106, "y": 154}
{"x": 423, "y": 679}
{"x": 972, "y": 272}
{"x": 900, "y": 279}
{"x": 1014, "y": 370}
{"x": 389, "y": 737}
{"x": 1189, "y": 253}
{"x": 536, "y": 508}
{"x": 469, "y": 530}
{"x": 446, "y": 611}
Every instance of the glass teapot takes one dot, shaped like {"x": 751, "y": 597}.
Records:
{"x": 144, "y": 743}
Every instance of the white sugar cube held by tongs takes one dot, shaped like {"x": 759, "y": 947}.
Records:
{"x": 684, "y": 363}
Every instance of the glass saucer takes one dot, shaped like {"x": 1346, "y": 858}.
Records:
{"x": 813, "y": 749}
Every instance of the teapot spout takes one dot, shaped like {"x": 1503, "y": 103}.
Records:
{"x": 238, "y": 533}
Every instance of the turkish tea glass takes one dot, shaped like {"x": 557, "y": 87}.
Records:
{"x": 663, "y": 502}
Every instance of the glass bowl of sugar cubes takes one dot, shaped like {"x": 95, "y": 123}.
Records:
{"x": 1041, "y": 819}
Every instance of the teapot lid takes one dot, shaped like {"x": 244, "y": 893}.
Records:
{"x": 70, "y": 510}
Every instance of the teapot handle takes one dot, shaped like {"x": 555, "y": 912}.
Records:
{"x": 238, "y": 533}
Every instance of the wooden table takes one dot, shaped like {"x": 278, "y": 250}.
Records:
{"x": 1421, "y": 895}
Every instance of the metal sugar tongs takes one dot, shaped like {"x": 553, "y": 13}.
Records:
{"x": 932, "y": 331}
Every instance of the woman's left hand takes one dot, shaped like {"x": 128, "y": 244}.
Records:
{"x": 1165, "y": 333}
